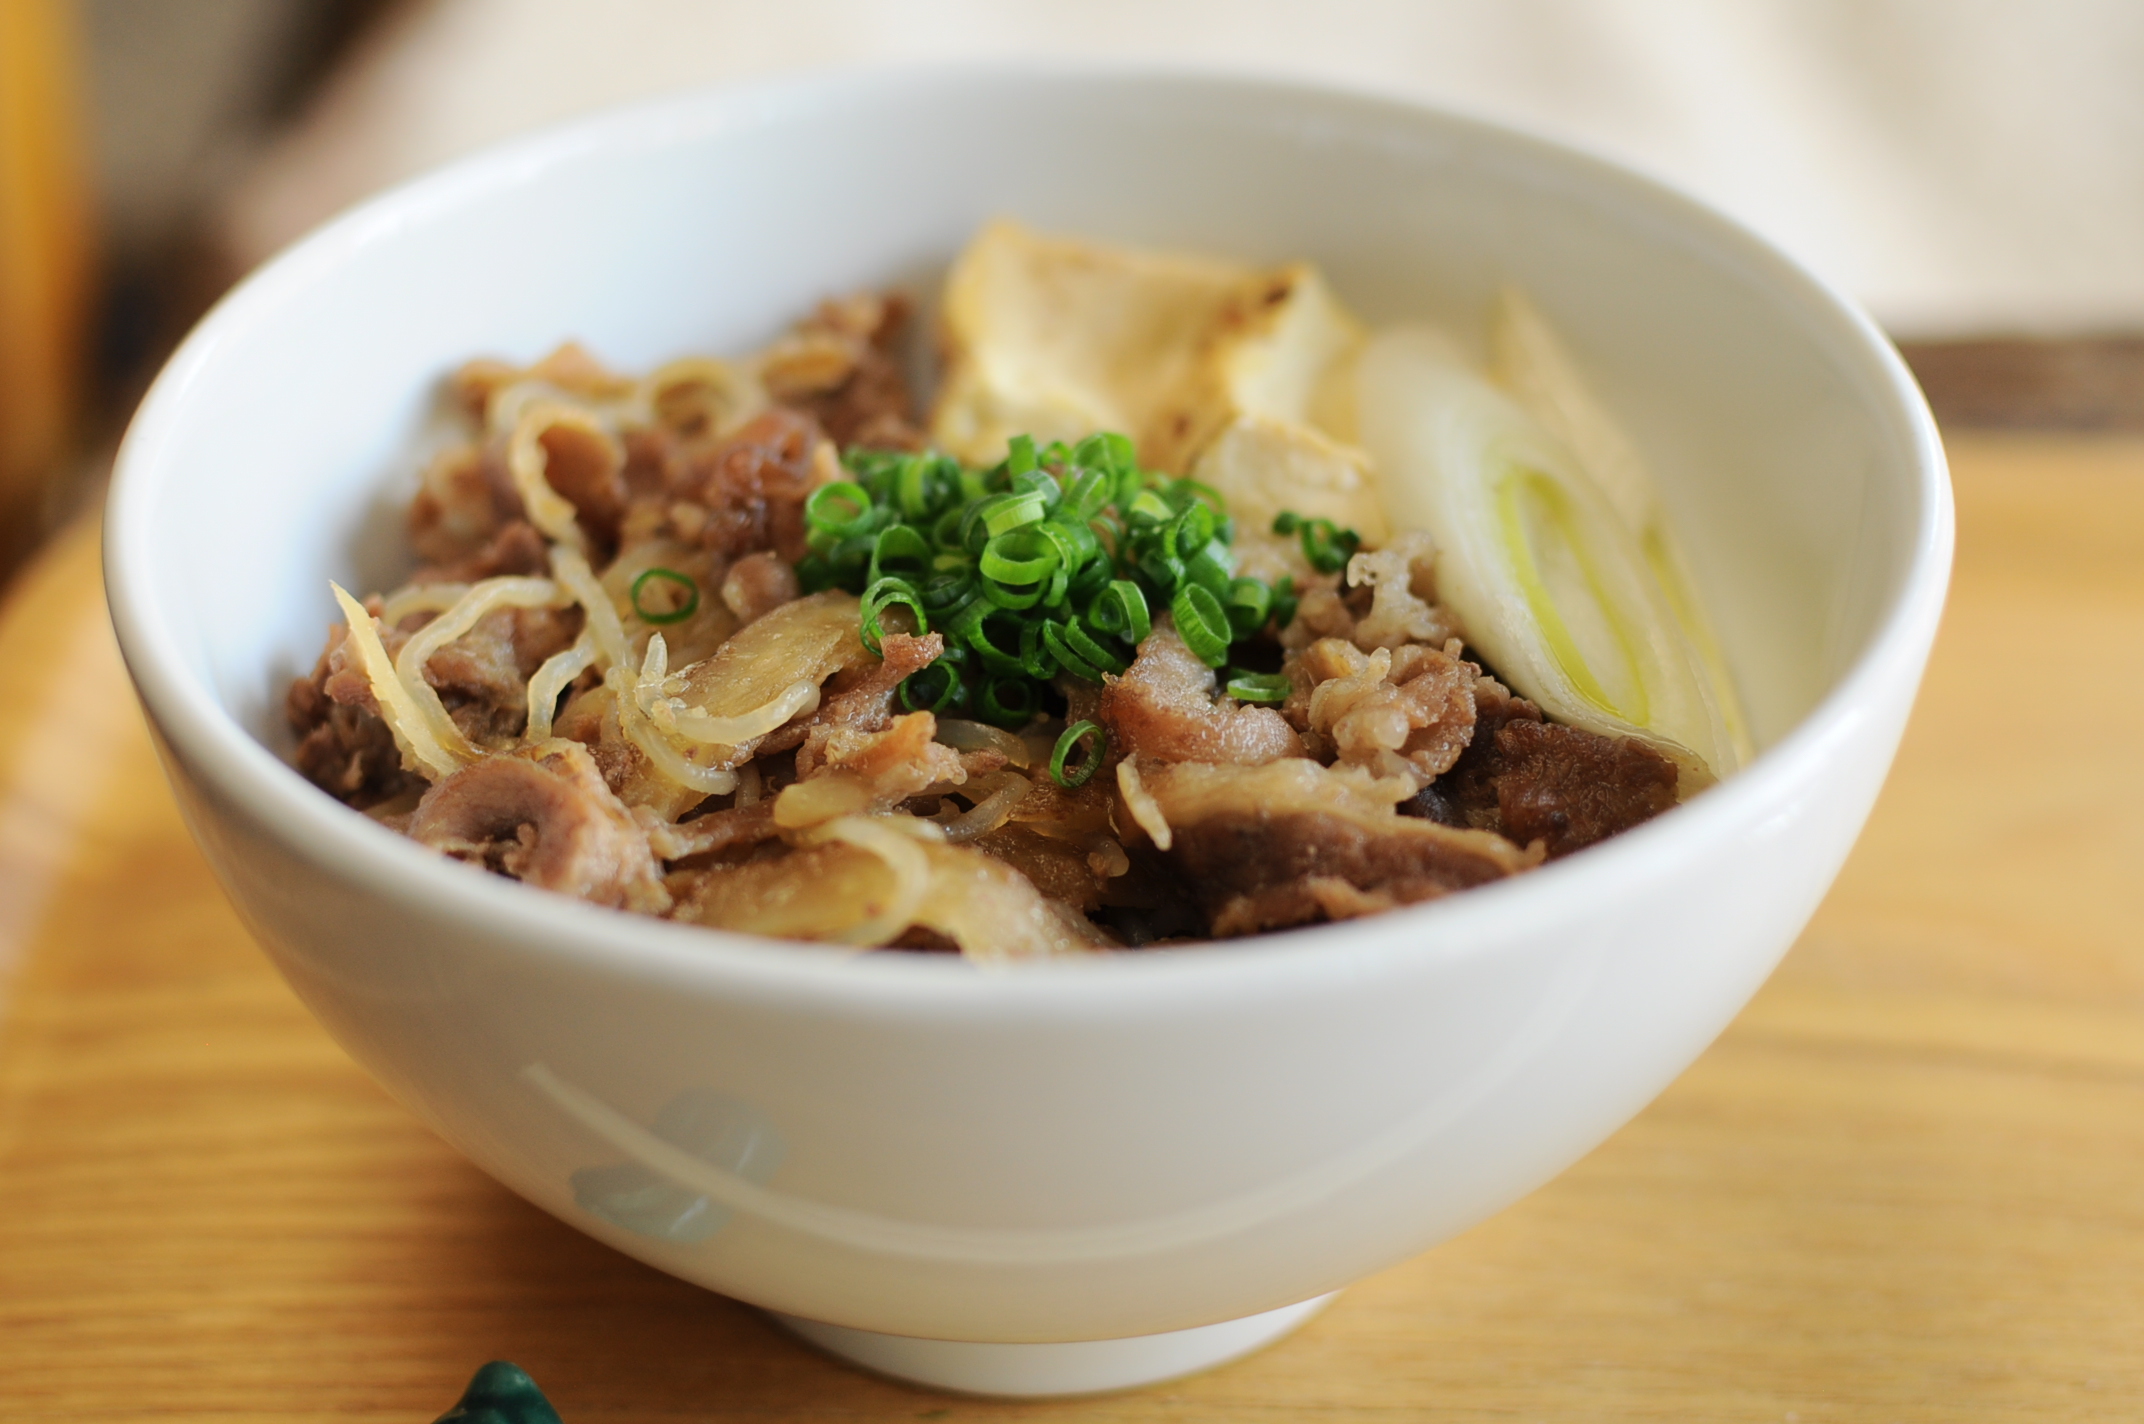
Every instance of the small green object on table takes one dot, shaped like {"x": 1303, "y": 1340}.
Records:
{"x": 501, "y": 1393}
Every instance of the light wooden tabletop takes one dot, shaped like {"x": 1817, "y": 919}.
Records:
{"x": 1906, "y": 1185}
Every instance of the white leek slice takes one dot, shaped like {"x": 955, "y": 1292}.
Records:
{"x": 1530, "y": 360}
{"x": 1543, "y": 574}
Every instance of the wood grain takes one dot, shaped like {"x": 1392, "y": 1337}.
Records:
{"x": 1907, "y": 1185}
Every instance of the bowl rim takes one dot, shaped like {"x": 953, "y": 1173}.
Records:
{"x": 322, "y": 831}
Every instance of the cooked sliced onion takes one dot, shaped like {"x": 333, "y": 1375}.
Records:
{"x": 819, "y": 799}
{"x": 1144, "y": 808}
{"x": 718, "y": 393}
{"x": 1000, "y": 791}
{"x": 667, "y": 760}
{"x": 903, "y": 855}
{"x": 570, "y": 567}
{"x": 550, "y": 680}
{"x": 963, "y": 735}
{"x": 428, "y": 747}
{"x": 527, "y": 461}
{"x": 994, "y": 913}
{"x": 798, "y": 699}
{"x": 419, "y": 598}
{"x": 481, "y": 599}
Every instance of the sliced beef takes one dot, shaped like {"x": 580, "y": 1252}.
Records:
{"x": 344, "y": 749}
{"x": 716, "y": 836}
{"x": 860, "y": 699}
{"x": 1406, "y": 710}
{"x": 1400, "y": 578}
{"x": 545, "y": 818}
{"x": 1468, "y": 789}
{"x": 892, "y": 764}
{"x": 1293, "y": 842}
{"x": 344, "y": 746}
{"x": 585, "y": 465}
{"x": 464, "y": 499}
{"x": 1569, "y": 788}
{"x": 1530, "y": 780}
{"x": 754, "y": 483}
{"x": 515, "y": 550}
{"x": 842, "y": 366}
{"x": 1164, "y": 708}
{"x": 483, "y": 676}
{"x": 757, "y": 584}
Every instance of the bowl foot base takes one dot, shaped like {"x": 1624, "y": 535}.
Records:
{"x": 1078, "y": 1367}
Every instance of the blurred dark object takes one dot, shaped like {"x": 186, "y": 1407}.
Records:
{"x": 122, "y": 123}
{"x": 2094, "y": 383}
{"x": 183, "y": 97}
{"x": 501, "y": 1393}
{"x": 44, "y": 264}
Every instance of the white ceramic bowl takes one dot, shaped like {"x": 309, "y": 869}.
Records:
{"x": 1066, "y": 1152}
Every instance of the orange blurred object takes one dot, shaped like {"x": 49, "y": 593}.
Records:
{"x": 44, "y": 259}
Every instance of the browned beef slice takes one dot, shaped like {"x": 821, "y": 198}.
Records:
{"x": 516, "y": 550}
{"x": 1570, "y": 788}
{"x": 871, "y": 406}
{"x": 754, "y": 485}
{"x": 1466, "y": 795}
{"x": 860, "y": 699}
{"x": 1165, "y": 707}
{"x": 343, "y": 747}
{"x": 1255, "y": 870}
{"x": 545, "y": 818}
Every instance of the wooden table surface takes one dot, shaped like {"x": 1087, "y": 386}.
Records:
{"x": 1907, "y": 1184}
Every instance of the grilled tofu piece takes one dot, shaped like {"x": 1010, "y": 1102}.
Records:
{"x": 1058, "y": 338}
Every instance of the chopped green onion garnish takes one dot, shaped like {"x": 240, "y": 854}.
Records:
{"x": 1009, "y": 702}
{"x": 1098, "y": 743}
{"x": 887, "y": 593}
{"x": 1326, "y": 547}
{"x": 1249, "y": 602}
{"x": 1120, "y": 609}
{"x": 838, "y": 510}
{"x": 1201, "y": 623}
{"x": 900, "y": 549}
{"x": 1046, "y": 567}
{"x": 931, "y": 689}
{"x": 1258, "y": 686}
{"x": 1010, "y": 511}
{"x": 689, "y": 600}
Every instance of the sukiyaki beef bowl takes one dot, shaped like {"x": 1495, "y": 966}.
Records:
{"x": 1028, "y": 706}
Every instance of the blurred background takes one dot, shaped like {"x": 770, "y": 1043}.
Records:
{"x": 1971, "y": 169}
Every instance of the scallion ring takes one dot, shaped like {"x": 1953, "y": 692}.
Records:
{"x": 664, "y": 616}
{"x": 840, "y": 510}
{"x": 900, "y": 549}
{"x": 1083, "y": 645}
{"x": 1120, "y": 611}
{"x": 887, "y": 593}
{"x": 1054, "y": 638}
{"x": 1258, "y": 686}
{"x": 1249, "y": 603}
{"x": 931, "y": 689}
{"x": 1097, "y": 741}
{"x": 1009, "y": 511}
{"x": 1008, "y": 702}
{"x": 1202, "y": 623}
